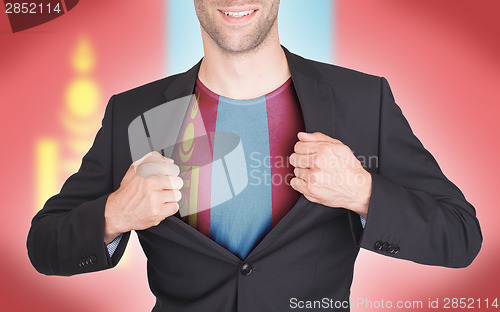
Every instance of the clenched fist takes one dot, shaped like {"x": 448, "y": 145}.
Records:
{"x": 148, "y": 193}
{"x": 327, "y": 172}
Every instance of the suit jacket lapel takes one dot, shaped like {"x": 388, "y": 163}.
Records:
{"x": 317, "y": 105}
{"x": 316, "y": 99}
{"x": 183, "y": 85}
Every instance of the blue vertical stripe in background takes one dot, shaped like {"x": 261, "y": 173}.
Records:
{"x": 305, "y": 26}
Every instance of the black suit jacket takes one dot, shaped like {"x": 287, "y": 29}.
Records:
{"x": 415, "y": 212}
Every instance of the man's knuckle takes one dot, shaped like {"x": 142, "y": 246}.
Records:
{"x": 314, "y": 172}
{"x": 177, "y": 195}
{"x": 296, "y": 147}
{"x": 171, "y": 183}
{"x": 317, "y": 161}
{"x": 173, "y": 169}
{"x": 323, "y": 148}
{"x": 172, "y": 207}
{"x": 179, "y": 182}
{"x": 345, "y": 150}
{"x": 312, "y": 178}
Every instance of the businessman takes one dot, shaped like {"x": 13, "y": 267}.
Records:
{"x": 296, "y": 238}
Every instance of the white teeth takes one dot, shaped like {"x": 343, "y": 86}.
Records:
{"x": 239, "y": 14}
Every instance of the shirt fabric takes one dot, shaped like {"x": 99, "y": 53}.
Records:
{"x": 267, "y": 128}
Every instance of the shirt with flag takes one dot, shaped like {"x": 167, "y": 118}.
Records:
{"x": 237, "y": 201}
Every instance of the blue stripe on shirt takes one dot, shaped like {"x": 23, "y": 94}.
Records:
{"x": 241, "y": 222}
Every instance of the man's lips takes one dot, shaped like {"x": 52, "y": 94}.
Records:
{"x": 237, "y": 16}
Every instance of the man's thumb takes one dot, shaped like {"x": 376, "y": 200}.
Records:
{"x": 315, "y": 136}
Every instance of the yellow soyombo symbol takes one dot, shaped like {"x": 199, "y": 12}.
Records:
{"x": 185, "y": 153}
{"x": 187, "y": 142}
{"x": 57, "y": 158}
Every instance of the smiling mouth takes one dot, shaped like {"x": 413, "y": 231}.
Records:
{"x": 239, "y": 14}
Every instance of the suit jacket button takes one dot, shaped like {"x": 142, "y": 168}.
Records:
{"x": 384, "y": 246}
{"x": 396, "y": 249}
{"x": 93, "y": 260}
{"x": 246, "y": 269}
{"x": 390, "y": 249}
{"x": 83, "y": 263}
{"x": 378, "y": 245}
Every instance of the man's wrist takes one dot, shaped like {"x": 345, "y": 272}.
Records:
{"x": 110, "y": 230}
{"x": 109, "y": 238}
{"x": 363, "y": 199}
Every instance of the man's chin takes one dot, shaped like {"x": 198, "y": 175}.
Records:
{"x": 239, "y": 47}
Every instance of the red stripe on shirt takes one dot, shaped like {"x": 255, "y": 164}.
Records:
{"x": 285, "y": 120}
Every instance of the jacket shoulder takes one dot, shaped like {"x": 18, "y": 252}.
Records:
{"x": 134, "y": 102}
{"x": 149, "y": 90}
{"x": 338, "y": 75}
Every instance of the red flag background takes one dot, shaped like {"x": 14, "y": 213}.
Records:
{"x": 55, "y": 81}
{"x": 440, "y": 57}
{"x": 442, "y": 61}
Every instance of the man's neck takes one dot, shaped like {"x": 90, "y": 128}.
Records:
{"x": 244, "y": 76}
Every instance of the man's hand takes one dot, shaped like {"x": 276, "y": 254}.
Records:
{"x": 327, "y": 172}
{"x": 148, "y": 193}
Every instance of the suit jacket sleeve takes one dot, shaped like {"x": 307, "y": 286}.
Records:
{"x": 67, "y": 236}
{"x": 414, "y": 209}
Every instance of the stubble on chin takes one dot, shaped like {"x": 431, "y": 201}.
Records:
{"x": 248, "y": 44}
